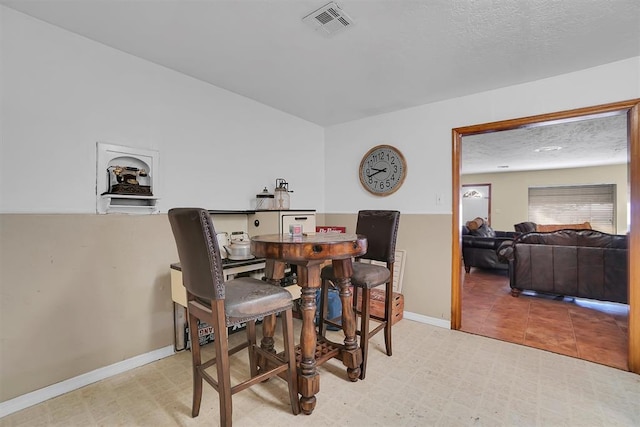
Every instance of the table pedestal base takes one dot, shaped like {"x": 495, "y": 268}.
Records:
{"x": 326, "y": 350}
{"x": 309, "y": 385}
{"x": 308, "y": 253}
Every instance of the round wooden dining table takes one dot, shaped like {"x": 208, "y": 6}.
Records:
{"x": 309, "y": 252}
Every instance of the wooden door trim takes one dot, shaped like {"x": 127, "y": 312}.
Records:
{"x": 632, "y": 109}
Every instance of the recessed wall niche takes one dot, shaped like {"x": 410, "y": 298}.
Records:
{"x": 126, "y": 180}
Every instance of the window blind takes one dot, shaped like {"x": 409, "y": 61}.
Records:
{"x": 574, "y": 205}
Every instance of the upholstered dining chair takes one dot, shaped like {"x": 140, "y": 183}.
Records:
{"x": 220, "y": 304}
{"x": 381, "y": 229}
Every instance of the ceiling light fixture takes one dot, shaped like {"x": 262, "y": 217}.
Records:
{"x": 548, "y": 148}
{"x": 329, "y": 19}
{"x": 472, "y": 194}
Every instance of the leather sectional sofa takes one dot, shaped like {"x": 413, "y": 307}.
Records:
{"x": 527, "y": 227}
{"x": 479, "y": 247}
{"x": 579, "y": 263}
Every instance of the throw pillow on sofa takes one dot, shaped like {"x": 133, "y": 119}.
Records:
{"x": 525, "y": 227}
{"x": 545, "y": 228}
{"x": 475, "y": 223}
{"x": 478, "y": 227}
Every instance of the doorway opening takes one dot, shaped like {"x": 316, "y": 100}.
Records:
{"x": 632, "y": 110}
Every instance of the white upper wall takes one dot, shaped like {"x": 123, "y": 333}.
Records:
{"x": 423, "y": 134}
{"x": 61, "y": 93}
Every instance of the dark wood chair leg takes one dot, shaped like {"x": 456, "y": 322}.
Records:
{"x": 364, "y": 329}
{"x": 388, "y": 316}
{"x": 196, "y": 361}
{"x": 323, "y": 309}
{"x": 290, "y": 355}
{"x": 221, "y": 344}
{"x": 251, "y": 341}
{"x": 354, "y": 291}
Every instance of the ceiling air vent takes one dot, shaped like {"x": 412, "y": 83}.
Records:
{"x": 329, "y": 19}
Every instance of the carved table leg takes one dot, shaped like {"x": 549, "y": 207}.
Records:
{"x": 351, "y": 354}
{"x": 308, "y": 379}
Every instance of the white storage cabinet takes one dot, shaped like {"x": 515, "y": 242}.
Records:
{"x": 277, "y": 222}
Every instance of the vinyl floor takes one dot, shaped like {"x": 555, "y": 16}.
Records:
{"x": 436, "y": 377}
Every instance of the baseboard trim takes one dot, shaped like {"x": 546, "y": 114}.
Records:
{"x": 21, "y": 402}
{"x": 441, "y": 323}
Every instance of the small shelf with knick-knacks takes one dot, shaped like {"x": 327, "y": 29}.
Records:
{"x": 126, "y": 180}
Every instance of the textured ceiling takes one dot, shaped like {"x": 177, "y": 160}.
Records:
{"x": 398, "y": 54}
{"x": 590, "y": 142}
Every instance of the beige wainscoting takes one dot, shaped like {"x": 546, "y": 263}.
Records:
{"x": 80, "y": 292}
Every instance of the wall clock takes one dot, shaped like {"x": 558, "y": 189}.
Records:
{"x": 382, "y": 170}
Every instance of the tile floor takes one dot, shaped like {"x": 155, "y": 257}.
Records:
{"x": 436, "y": 377}
{"x": 579, "y": 328}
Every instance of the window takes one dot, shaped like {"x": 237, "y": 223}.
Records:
{"x": 574, "y": 205}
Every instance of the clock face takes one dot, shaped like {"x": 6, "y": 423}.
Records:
{"x": 382, "y": 170}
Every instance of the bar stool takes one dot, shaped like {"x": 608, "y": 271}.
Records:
{"x": 381, "y": 229}
{"x": 221, "y": 305}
